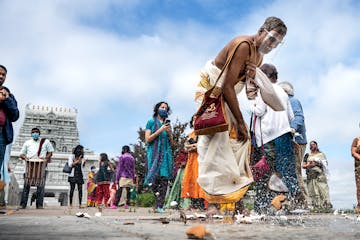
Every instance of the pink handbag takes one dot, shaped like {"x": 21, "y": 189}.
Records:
{"x": 261, "y": 167}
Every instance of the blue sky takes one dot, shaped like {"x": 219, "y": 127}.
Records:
{"x": 113, "y": 60}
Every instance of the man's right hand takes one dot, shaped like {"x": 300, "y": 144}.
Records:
{"x": 242, "y": 133}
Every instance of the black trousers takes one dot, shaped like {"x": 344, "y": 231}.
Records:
{"x": 72, "y": 188}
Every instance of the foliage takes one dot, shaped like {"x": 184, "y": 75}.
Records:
{"x": 145, "y": 200}
{"x": 139, "y": 153}
{"x": 179, "y": 137}
{"x": 139, "y": 150}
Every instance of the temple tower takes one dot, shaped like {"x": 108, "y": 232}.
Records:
{"x": 59, "y": 125}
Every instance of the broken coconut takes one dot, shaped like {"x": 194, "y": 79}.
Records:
{"x": 277, "y": 201}
{"x": 198, "y": 232}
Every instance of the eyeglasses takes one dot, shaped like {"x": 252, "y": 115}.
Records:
{"x": 273, "y": 39}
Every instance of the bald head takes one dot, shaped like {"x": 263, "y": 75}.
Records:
{"x": 288, "y": 88}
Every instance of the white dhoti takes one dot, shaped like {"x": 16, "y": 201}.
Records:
{"x": 224, "y": 171}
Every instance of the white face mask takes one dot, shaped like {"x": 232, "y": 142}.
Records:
{"x": 94, "y": 170}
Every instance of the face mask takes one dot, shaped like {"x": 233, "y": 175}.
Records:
{"x": 313, "y": 148}
{"x": 35, "y": 136}
{"x": 163, "y": 113}
{"x": 93, "y": 170}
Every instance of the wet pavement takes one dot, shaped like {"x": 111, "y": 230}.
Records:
{"x": 62, "y": 223}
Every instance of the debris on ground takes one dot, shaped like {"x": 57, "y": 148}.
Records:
{"x": 128, "y": 223}
{"x": 83, "y": 214}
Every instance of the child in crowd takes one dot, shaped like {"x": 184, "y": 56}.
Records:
{"x": 91, "y": 188}
{"x": 112, "y": 200}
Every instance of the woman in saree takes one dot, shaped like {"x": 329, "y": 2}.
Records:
{"x": 316, "y": 166}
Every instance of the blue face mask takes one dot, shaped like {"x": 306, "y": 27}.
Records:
{"x": 163, "y": 113}
{"x": 35, "y": 136}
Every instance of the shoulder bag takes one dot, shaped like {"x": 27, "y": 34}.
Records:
{"x": 211, "y": 116}
{"x": 67, "y": 168}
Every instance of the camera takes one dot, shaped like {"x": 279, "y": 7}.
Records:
{"x": 167, "y": 121}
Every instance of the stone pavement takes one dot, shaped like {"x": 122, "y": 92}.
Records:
{"x": 62, "y": 223}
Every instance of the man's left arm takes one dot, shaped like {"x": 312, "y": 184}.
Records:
{"x": 11, "y": 109}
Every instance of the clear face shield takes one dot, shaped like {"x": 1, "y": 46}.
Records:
{"x": 272, "y": 40}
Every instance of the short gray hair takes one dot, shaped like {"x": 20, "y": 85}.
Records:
{"x": 288, "y": 87}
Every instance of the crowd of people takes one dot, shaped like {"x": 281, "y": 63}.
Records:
{"x": 213, "y": 170}
{"x": 106, "y": 183}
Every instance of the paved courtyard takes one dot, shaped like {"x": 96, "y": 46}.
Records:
{"x": 62, "y": 223}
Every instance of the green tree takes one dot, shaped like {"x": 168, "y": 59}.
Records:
{"x": 139, "y": 150}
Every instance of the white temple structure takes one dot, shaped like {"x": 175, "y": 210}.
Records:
{"x": 59, "y": 125}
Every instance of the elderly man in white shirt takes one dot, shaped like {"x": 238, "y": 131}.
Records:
{"x": 272, "y": 129}
{"x": 35, "y": 148}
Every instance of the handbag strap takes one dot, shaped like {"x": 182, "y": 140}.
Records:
{"x": 262, "y": 142}
{"x": 228, "y": 62}
{"x": 261, "y": 137}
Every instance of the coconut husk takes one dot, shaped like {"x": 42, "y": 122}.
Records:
{"x": 197, "y": 232}
{"x": 277, "y": 201}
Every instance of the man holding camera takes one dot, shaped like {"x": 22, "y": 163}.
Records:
{"x": 9, "y": 113}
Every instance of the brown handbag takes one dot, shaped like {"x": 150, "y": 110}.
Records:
{"x": 211, "y": 116}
